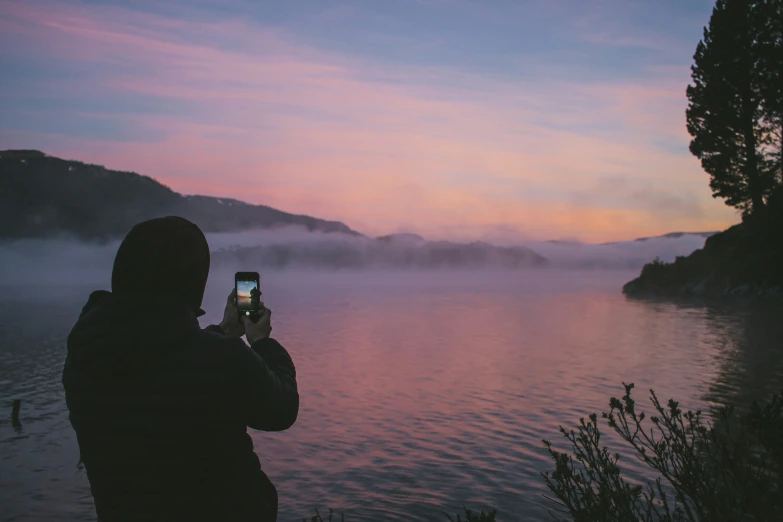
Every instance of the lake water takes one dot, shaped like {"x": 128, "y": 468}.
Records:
{"x": 420, "y": 392}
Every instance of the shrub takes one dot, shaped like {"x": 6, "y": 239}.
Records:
{"x": 655, "y": 268}
{"x": 728, "y": 471}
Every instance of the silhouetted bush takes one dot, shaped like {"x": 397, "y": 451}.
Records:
{"x": 725, "y": 471}
{"x": 654, "y": 269}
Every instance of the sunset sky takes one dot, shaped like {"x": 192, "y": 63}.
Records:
{"x": 455, "y": 119}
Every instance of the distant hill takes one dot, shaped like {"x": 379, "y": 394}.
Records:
{"x": 388, "y": 252}
{"x": 571, "y": 254}
{"x": 670, "y": 235}
{"x": 402, "y": 237}
{"x": 621, "y": 255}
{"x": 44, "y": 196}
{"x": 563, "y": 242}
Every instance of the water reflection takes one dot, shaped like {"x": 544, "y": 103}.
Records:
{"x": 745, "y": 340}
{"x": 419, "y": 393}
{"x": 750, "y": 354}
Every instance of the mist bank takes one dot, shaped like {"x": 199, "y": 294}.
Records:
{"x": 409, "y": 251}
{"x": 71, "y": 261}
{"x": 632, "y": 254}
{"x": 292, "y": 248}
{"x": 404, "y": 251}
{"x": 68, "y": 260}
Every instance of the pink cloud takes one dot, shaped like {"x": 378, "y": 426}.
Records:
{"x": 371, "y": 144}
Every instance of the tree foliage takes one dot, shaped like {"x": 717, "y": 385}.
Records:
{"x": 734, "y": 111}
{"x": 770, "y": 46}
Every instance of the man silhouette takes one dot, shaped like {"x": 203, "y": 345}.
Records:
{"x": 161, "y": 407}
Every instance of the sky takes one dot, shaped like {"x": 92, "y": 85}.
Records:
{"x": 454, "y": 119}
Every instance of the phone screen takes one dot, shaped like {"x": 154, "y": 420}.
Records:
{"x": 248, "y": 295}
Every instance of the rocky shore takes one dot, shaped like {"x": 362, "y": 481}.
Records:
{"x": 703, "y": 288}
{"x": 745, "y": 261}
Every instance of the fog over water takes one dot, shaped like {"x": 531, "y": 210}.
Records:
{"x": 67, "y": 261}
{"x": 421, "y": 390}
{"x": 623, "y": 254}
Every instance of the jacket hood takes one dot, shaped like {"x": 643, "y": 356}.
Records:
{"x": 117, "y": 336}
{"x": 166, "y": 256}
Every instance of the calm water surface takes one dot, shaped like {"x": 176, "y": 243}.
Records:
{"x": 420, "y": 392}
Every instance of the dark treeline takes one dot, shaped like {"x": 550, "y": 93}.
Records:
{"x": 735, "y": 114}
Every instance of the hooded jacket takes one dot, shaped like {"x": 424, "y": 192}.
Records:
{"x": 161, "y": 410}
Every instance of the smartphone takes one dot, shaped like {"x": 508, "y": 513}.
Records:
{"x": 248, "y": 293}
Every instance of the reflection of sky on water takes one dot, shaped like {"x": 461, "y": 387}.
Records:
{"x": 420, "y": 392}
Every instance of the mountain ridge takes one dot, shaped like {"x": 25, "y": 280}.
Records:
{"x": 669, "y": 235}
{"x": 46, "y": 196}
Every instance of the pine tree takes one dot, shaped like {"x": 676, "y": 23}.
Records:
{"x": 725, "y": 115}
{"x": 770, "y": 42}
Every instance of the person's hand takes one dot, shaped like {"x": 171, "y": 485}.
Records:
{"x": 231, "y": 325}
{"x": 261, "y": 329}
